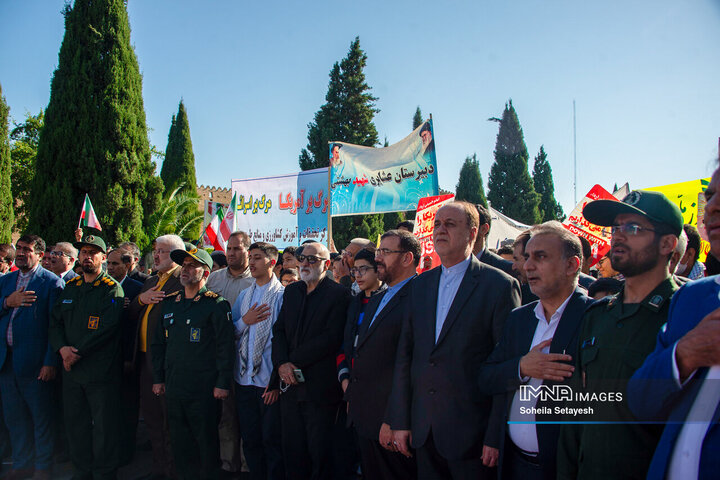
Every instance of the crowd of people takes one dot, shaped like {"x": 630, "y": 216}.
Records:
{"x": 311, "y": 364}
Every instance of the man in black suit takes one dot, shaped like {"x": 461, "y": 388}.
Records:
{"x": 306, "y": 338}
{"x": 480, "y": 249}
{"x": 456, "y": 316}
{"x": 371, "y": 349}
{"x": 134, "y": 252}
{"x": 118, "y": 266}
{"x": 532, "y": 352}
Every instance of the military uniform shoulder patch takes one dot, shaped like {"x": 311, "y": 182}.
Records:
{"x": 179, "y": 297}
{"x": 211, "y": 294}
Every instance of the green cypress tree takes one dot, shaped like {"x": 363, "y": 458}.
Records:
{"x": 510, "y": 187}
{"x": 24, "y": 140}
{"x": 469, "y": 186}
{"x": 348, "y": 112}
{"x": 7, "y": 215}
{"x": 346, "y": 116}
{"x": 179, "y": 164}
{"x": 417, "y": 118}
{"x": 549, "y": 208}
{"x": 95, "y": 138}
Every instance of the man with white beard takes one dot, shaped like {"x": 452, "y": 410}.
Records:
{"x": 306, "y": 338}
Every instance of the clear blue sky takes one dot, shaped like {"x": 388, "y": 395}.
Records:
{"x": 644, "y": 75}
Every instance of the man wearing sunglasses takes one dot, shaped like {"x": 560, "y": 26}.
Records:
{"x": 306, "y": 338}
{"x": 617, "y": 334}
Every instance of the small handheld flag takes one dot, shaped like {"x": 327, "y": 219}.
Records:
{"x": 87, "y": 215}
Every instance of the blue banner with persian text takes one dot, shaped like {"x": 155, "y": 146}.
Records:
{"x": 284, "y": 210}
{"x": 378, "y": 180}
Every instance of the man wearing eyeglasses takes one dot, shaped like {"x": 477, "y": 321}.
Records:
{"x": 145, "y": 311}
{"x": 616, "y": 335}
{"x": 7, "y": 257}
{"x": 62, "y": 260}
{"x": 306, "y": 338}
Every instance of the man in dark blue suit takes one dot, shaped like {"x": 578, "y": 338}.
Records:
{"x": 27, "y": 362}
{"x": 457, "y": 313}
{"x": 680, "y": 381}
{"x": 532, "y": 352}
{"x": 119, "y": 265}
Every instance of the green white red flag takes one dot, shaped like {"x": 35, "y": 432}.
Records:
{"x": 227, "y": 226}
{"x": 87, "y": 215}
{"x": 211, "y": 236}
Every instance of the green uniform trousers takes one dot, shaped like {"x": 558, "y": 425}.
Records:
{"x": 92, "y": 423}
{"x": 193, "y": 426}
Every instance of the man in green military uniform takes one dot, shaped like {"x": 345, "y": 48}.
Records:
{"x": 616, "y": 335}
{"x": 193, "y": 358}
{"x": 85, "y": 331}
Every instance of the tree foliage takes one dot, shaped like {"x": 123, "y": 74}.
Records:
{"x": 417, "y": 118}
{"x": 179, "y": 164}
{"x": 549, "y": 208}
{"x": 95, "y": 137}
{"x": 510, "y": 187}
{"x": 469, "y": 186}
{"x": 178, "y": 213}
{"x": 346, "y": 116}
{"x": 24, "y": 140}
{"x": 7, "y": 215}
{"x": 348, "y": 112}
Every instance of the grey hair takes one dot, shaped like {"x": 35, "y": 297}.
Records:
{"x": 173, "y": 241}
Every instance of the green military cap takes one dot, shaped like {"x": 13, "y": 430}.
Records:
{"x": 653, "y": 205}
{"x": 92, "y": 240}
{"x": 200, "y": 255}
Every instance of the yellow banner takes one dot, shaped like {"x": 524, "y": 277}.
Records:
{"x": 689, "y": 197}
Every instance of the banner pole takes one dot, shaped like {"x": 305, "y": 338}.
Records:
{"x": 329, "y": 209}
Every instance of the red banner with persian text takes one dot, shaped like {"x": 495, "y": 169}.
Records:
{"x": 424, "y": 224}
{"x": 599, "y": 237}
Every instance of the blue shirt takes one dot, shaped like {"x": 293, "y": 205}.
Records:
{"x": 262, "y": 378}
{"x": 389, "y": 294}
{"x": 450, "y": 280}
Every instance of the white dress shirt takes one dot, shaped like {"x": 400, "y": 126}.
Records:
{"x": 685, "y": 459}
{"x": 524, "y": 435}
{"x": 450, "y": 280}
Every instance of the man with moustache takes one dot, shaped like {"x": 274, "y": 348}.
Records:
{"x": 193, "y": 357}
{"x": 85, "y": 331}
{"x": 306, "y": 338}
{"x": 254, "y": 313}
{"x": 532, "y": 350}
{"x": 456, "y": 316}
{"x": 27, "y": 362}
{"x": 134, "y": 251}
{"x": 480, "y": 249}
{"x": 371, "y": 348}
{"x": 678, "y": 383}
{"x": 145, "y": 312}
{"x": 229, "y": 282}
{"x": 62, "y": 260}
{"x": 616, "y": 335}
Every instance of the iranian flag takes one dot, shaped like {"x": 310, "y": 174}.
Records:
{"x": 211, "y": 236}
{"x": 228, "y": 223}
{"x": 87, "y": 215}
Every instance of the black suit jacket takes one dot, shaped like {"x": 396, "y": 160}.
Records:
{"x": 132, "y": 289}
{"x": 373, "y": 359}
{"x": 495, "y": 260}
{"x": 499, "y": 373}
{"x": 435, "y": 384}
{"x": 138, "y": 276}
{"x": 311, "y": 341}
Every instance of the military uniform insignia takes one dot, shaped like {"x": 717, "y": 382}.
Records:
{"x": 211, "y": 294}
{"x": 656, "y": 301}
{"x": 90, "y": 238}
{"x": 93, "y": 323}
{"x": 193, "y": 251}
{"x": 196, "y": 299}
{"x": 178, "y": 298}
{"x": 632, "y": 198}
{"x": 229, "y": 315}
{"x": 168, "y": 315}
{"x": 67, "y": 300}
{"x": 195, "y": 335}
{"x": 187, "y": 322}
{"x": 96, "y": 283}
